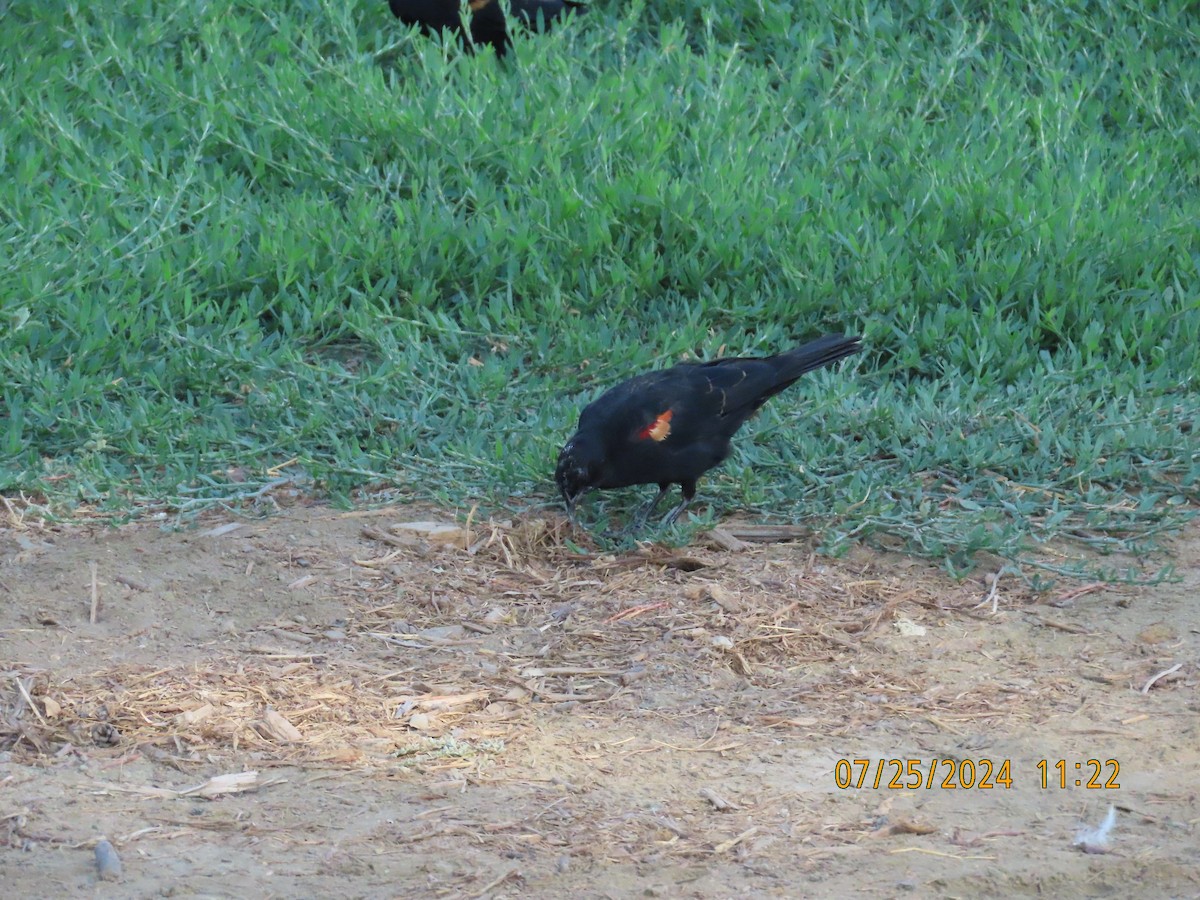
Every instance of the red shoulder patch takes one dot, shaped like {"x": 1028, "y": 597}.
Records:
{"x": 659, "y": 429}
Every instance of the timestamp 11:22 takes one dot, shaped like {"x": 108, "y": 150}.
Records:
{"x": 1059, "y": 773}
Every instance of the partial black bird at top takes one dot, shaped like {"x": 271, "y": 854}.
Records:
{"x": 487, "y": 21}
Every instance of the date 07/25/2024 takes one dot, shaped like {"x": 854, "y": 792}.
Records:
{"x": 972, "y": 774}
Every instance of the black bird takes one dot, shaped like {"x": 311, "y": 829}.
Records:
{"x": 671, "y": 426}
{"x": 487, "y": 23}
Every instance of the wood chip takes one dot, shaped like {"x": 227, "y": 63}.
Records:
{"x": 395, "y": 540}
{"x": 766, "y": 534}
{"x": 435, "y": 702}
{"x": 233, "y": 783}
{"x": 294, "y": 636}
{"x": 718, "y": 802}
{"x": 733, "y": 842}
{"x": 434, "y": 532}
{"x": 904, "y": 826}
{"x": 717, "y": 593}
{"x": 192, "y": 716}
{"x": 422, "y": 721}
{"x": 726, "y": 541}
{"x": 278, "y": 727}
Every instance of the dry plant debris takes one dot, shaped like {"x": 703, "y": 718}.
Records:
{"x": 418, "y": 675}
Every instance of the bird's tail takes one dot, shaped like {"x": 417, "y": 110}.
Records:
{"x": 815, "y": 354}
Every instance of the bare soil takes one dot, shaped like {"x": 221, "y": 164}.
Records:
{"x": 511, "y": 719}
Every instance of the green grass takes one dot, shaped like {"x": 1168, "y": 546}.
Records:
{"x": 237, "y": 234}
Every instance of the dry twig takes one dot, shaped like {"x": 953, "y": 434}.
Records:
{"x": 95, "y": 593}
{"x": 1163, "y": 674}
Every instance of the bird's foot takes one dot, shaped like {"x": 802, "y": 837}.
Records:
{"x": 669, "y": 518}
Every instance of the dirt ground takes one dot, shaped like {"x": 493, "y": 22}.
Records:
{"x": 312, "y": 705}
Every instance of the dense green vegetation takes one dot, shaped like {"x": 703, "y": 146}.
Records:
{"x": 234, "y": 235}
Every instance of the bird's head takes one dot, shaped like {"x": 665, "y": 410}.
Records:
{"x": 578, "y": 471}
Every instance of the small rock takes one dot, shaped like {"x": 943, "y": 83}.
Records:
{"x": 108, "y": 864}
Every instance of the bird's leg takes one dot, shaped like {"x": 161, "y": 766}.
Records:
{"x": 640, "y": 519}
{"x": 689, "y": 492}
{"x": 674, "y": 513}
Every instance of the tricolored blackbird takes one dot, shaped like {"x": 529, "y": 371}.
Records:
{"x": 671, "y": 426}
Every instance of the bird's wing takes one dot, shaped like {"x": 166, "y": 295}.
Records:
{"x": 735, "y": 386}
